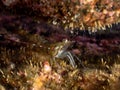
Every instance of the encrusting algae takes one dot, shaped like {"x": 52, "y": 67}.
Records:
{"x": 59, "y": 44}
{"x": 90, "y": 15}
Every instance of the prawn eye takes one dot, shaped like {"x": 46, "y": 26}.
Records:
{"x": 56, "y": 50}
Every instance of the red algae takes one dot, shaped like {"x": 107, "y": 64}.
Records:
{"x": 89, "y": 14}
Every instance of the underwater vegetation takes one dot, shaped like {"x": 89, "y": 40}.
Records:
{"x": 59, "y": 45}
{"x": 82, "y": 14}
